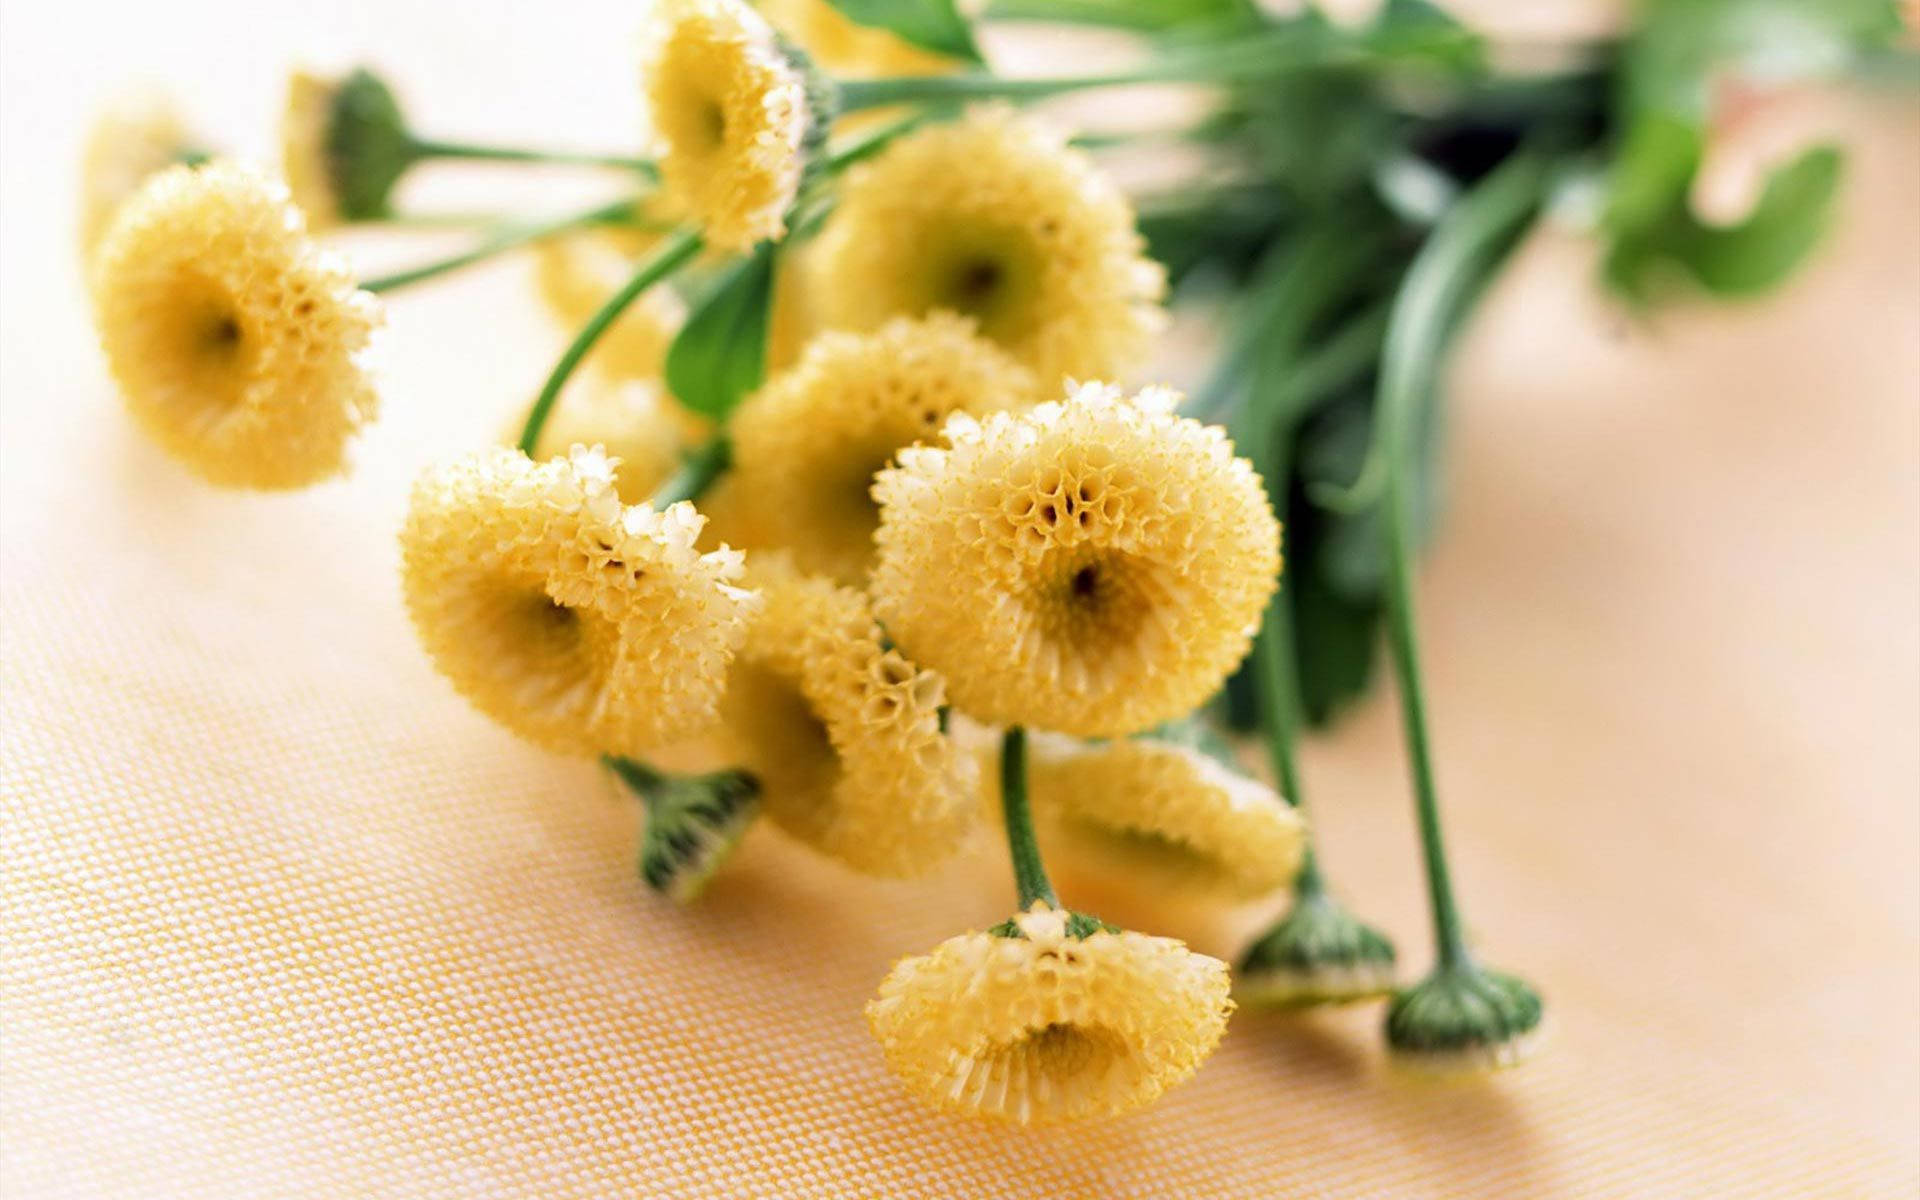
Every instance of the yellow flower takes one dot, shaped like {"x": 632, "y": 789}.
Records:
{"x": 136, "y": 136}
{"x": 578, "y": 272}
{"x": 237, "y": 343}
{"x": 634, "y": 422}
{"x": 580, "y": 623}
{"x": 1092, "y": 567}
{"x": 843, "y": 733}
{"x": 994, "y": 217}
{"x": 1047, "y": 1026}
{"x": 1164, "y": 816}
{"x": 730, "y": 119}
{"x": 305, "y": 123}
{"x": 806, "y": 445}
{"x": 847, "y": 50}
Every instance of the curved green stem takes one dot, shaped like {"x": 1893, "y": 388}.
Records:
{"x": 1443, "y": 280}
{"x": 1029, "y": 875}
{"x": 696, "y": 474}
{"x": 499, "y": 243}
{"x": 664, "y": 262}
{"x": 1272, "y": 53}
{"x": 433, "y": 148}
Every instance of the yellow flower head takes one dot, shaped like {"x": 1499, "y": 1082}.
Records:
{"x": 730, "y": 118}
{"x": 1047, "y": 1026}
{"x": 1164, "y": 815}
{"x": 994, "y": 217}
{"x": 578, "y": 272}
{"x": 237, "y": 343}
{"x": 306, "y": 122}
{"x": 137, "y": 135}
{"x": 1092, "y": 567}
{"x": 806, "y": 445}
{"x": 580, "y": 623}
{"x": 843, "y": 733}
{"x": 848, "y": 50}
{"x": 634, "y": 422}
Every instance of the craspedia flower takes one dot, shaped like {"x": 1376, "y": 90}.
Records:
{"x": 578, "y": 272}
{"x": 1464, "y": 1018}
{"x": 807, "y": 444}
{"x": 237, "y": 344}
{"x": 731, "y": 119}
{"x": 634, "y": 422}
{"x": 843, "y": 732}
{"x": 1163, "y": 815}
{"x": 1319, "y": 953}
{"x": 1093, "y": 567}
{"x": 580, "y": 623}
{"x": 344, "y": 145}
{"x": 1063, "y": 1019}
{"x": 996, "y": 218}
{"x": 137, "y": 135}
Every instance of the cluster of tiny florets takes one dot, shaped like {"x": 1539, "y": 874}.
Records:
{"x": 1094, "y": 566}
{"x": 584, "y": 624}
{"x": 236, "y": 342}
{"x": 1047, "y": 1026}
{"x": 807, "y": 445}
{"x": 1163, "y": 815}
{"x": 136, "y": 136}
{"x": 843, "y": 731}
{"x": 997, "y": 218}
{"x": 730, "y": 118}
{"x": 641, "y": 429}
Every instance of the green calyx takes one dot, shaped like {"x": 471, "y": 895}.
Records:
{"x": 1464, "y": 1018}
{"x": 368, "y": 146}
{"x": 1080, "y": 927}
{"x": 693, "y": 824}
{"x": 1319, "y": 953}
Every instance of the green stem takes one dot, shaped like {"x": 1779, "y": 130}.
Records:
{"x": 499, "y": 243}
{"x": 1442, "y": 281}
{"x": 1274, "y": 53}
{"x": 696, "y": 474}
{"x": 1029, "y": 875}
{"x": 431, "y": 148}
{"x": 664, "y": 262}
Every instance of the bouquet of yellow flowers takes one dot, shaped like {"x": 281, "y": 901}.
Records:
{"x": 843, "y": 508}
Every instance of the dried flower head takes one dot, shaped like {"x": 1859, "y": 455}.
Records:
{"x": 730, "y": 118}
{"x": 135, "y": 136}
{"x": 1093, "y": 567}
{"x": 1163, "y": 815}
{"x": 996, "y": 218}
{"x": 237, "y": 343}
{"x": 578, "y": 622}
{"x": 806, "y": 445}
{"x": 1319, "y": 953}
{"x": 305, "y": 120}
{"x": 639, "y": 427}
{"x": 1061, "y": 1020}
{"x": 578, "y": 272}
{"x": 843, "y": 732}
{"x": 1464, "y": 1018}
{"x": 344, "y": 144}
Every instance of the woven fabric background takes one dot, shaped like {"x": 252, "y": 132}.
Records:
{"x": 282, "y": 916}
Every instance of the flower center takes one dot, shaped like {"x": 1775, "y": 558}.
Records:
{"x": 1060, "y": 1051}
{"x": 787, "y": 743}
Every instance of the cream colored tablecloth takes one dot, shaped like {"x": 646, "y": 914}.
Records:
{"x": 282, "y": 916}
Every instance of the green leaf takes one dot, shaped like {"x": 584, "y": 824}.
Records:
{"x": 934, "y": 25}
{"x": 1146, "y": 16}
{"x": 720, "y": 354}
